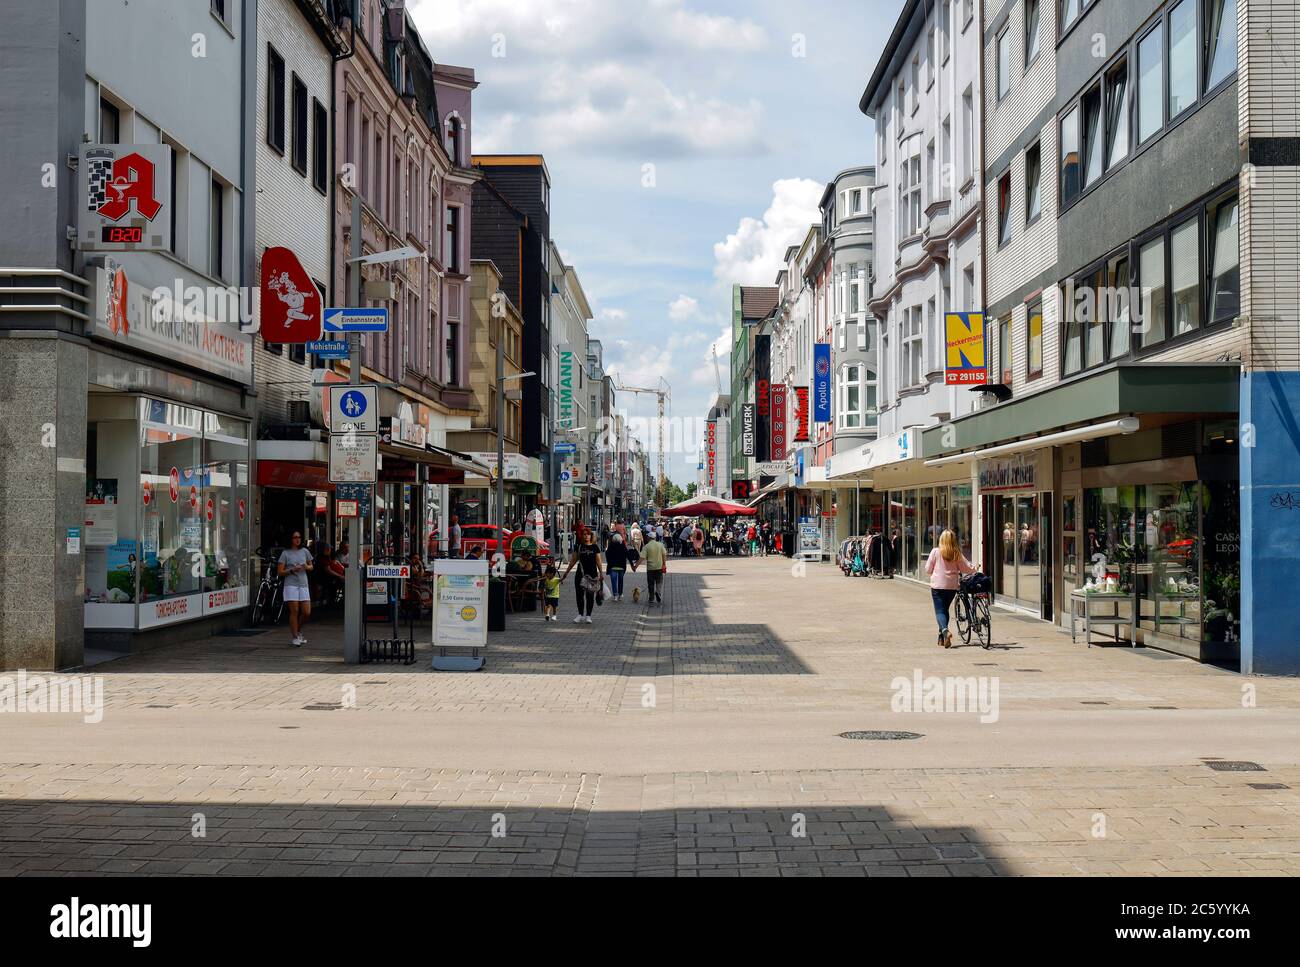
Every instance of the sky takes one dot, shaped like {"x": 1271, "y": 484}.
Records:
{"x": 688, "y": 142}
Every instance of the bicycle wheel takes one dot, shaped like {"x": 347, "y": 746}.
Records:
{"x": 983, "y": 622}
{"x": 964, "y": 618}
{"x": 259, "y": 606}
{"x": 277, "y": 605}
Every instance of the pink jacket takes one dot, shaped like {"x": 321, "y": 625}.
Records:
{"x": 946, "y": 575}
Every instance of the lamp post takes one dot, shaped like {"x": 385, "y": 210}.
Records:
{"x": 499, "y": 311}
{"x": 557, "y": 426}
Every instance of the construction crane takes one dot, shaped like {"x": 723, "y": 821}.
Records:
{"x": 663, "y": 392}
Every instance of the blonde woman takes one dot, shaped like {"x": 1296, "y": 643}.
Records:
{"x": 946, "y": 565}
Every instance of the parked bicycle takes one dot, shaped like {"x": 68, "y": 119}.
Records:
{"x": 973, "y": 613}
{"x": 269, "y": 600}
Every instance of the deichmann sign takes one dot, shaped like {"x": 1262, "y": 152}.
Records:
{"x": 822, "y": 383}
{"x": 966, "y": 363}
{"x": 131, "y": 315}
{"x": 566, "y": 409}
{"x": 748, "y": 418}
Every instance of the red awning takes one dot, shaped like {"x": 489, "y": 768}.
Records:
{"x": 294, "y": 476}
{"x": 709, "y": 507}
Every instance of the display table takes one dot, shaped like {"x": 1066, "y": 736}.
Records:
{"x": 1087, "y": 602}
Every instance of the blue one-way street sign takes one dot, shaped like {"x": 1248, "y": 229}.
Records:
{"x": 357, "y": 320}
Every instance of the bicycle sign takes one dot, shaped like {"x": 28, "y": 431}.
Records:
{"x": 353, "y": 408}
{"x": 354, "y": 458}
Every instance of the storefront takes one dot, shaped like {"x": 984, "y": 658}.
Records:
{"x": 166, "y": 513}
{"x": 475, "y": 501}
{"x": 1017, "y": 512}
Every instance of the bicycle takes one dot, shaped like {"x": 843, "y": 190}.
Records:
{"x": 270, "y": 597}
{"x": 972, "y": 610}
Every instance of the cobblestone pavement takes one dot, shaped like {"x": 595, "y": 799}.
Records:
{"x": 699, "y": 738}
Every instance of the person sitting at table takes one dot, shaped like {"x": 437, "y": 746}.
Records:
{"x": 521, "y": 563}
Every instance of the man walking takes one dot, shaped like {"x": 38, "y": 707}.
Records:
{"x": 655, "y": 557}
{"x": 453, "y": 537}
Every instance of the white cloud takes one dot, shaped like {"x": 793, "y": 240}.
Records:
{"x": 755, "y": 251}
{"x": 612, "y": 315}
{"x": 683, "y": 308}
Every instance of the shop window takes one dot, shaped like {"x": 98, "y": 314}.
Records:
{"x": 1151, "y": 85}
{"x": 171, "y": 475}
{"x": 1182, "y": 57}
{"x": 1034, "y": 334}
{"x": 1033, "y": 183}
{"x": 1224, "y": 261}
{"x": 225, "y": 507}
{"x": 1185, "y": 276}
{"x": 1220, "y": 18}
{"x": 1151, "y": 280}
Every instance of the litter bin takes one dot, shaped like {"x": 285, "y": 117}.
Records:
{"x": 496, "y": 605}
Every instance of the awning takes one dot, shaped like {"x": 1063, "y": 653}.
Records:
{"x": 293, "y": 476}
{"x": 1110, "y": 393}
{"x": 1095, "y": 431}
{"x": 862, "y": 462}
{"x": 462, "y": 460}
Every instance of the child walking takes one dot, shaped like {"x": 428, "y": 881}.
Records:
{"x": 552, "y": 593}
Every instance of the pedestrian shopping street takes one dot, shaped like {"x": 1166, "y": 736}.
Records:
{"x": 702, "y": 737}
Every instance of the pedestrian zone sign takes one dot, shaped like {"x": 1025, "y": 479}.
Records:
{"x": 353, "y": 408}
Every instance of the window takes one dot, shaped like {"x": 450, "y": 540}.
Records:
{"x": 930, "y": 58}
{"x": 1220, "y": 41}
{"x": 275, "y": 100}
{"x": 1032, "y": 30}
{"x": 1151, "y": 279}
{"x": 1070, "y": 156}
{"x": 453, "y": 337}
{"x": 1185, "y": 276}
{"x": 363, "y": 176}
{"x": 1116, "y": 115}
{"x": 217, "y": 236}
{"x": 1151, "y": 85}
{"x": 453, "y": 139}
{"x": 855, "y": 201}
{"x": 916, "y": 194}
{"x": 1033, "y": 182}
{"x": 1182, "y": 57}
{"x": 110, "y": 123}
{"x": 1069, "y": 13}
{"x": 1004, "y": 209}
{"x": 218, "y": 8}
{"x": 1224, "y": 261}
{"x": 1004, "y": 349}
{"x": 320, "y": 146}
{"x": 916, "y": 82}
{"x": 945, "y": 24}
{"x": 299, "y": 156}
{"x": 1092, "y": 136}
{"x": 451, "y": 243}
{"x": 1034, "y": 340}
{"x": 850, "y": 402}
{"x": 912, "y": 369}
{"x": 1118, "y": 314}
{"x": 1004, "y": 63}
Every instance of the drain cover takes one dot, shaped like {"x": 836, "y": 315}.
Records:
{"x": 1228, "y": 765}
{"x": 1268, "y": 785}
{"x": 159, "y": 706}
{"x": 1094, "y": 703}
{"x": 1029, "y": 669}
{"x": 1165, "y": 708}
{"x": 321, "y": 708}
{"x": 880, "y": 736}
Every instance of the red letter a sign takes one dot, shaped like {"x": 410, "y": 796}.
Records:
{"x": 291, "y": 309}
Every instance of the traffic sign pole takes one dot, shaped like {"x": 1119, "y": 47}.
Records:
{"x": 352, "y": 584}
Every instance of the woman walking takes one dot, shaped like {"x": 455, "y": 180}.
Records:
{"x": 586, "y": 557}
{"x": 293, "y": 567}
{"x": 946, "y": 565}
{"x": 616, "y": 559}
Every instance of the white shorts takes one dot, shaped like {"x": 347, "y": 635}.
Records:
{"x": 293, "y": 592}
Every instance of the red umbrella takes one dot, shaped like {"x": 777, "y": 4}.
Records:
{"x": 709, "y": 507}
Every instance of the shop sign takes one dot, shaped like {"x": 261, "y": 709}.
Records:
{"x": 174, "y": 476}
{"x": 966, "y": 363}
{"x": 167, "y": 611}
{"x": 771, "y": 468}
{"x": 227, "y": 599}
{"x": 810, "y": 538}
{"x": 518, "y": 466}
{"x": 711, "y": 452}
{"x": 779, "y": 425}
{"x": 389, "y": 572}
{"x": 822, "y": 383}
{"x": 748, "y": 418}
{"x": 801, "y": 414}
{"x": 1018, "y": 472}
{"x": 74, "y": 540}
{"x": 126, "y": 190}
{"x": 406, "y": 432}
{"x": 290, "y": 308}
{"x": 294, "y": 476}
{"x": 163, "y": 324}
{"x": 566, "y": 409}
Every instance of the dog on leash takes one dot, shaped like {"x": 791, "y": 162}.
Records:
{"x": 636, "y": 595}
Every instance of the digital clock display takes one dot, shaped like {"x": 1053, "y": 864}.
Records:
{"x": 119, "y": 233}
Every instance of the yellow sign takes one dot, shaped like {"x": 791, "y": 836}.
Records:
{"x": 468, "y": 613}
{"x": 966, "y": 362}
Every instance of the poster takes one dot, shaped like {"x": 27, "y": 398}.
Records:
{"x": 965, "y": 362}
{"x": 460, "y": 601}
{"x": 101, "y": 522}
